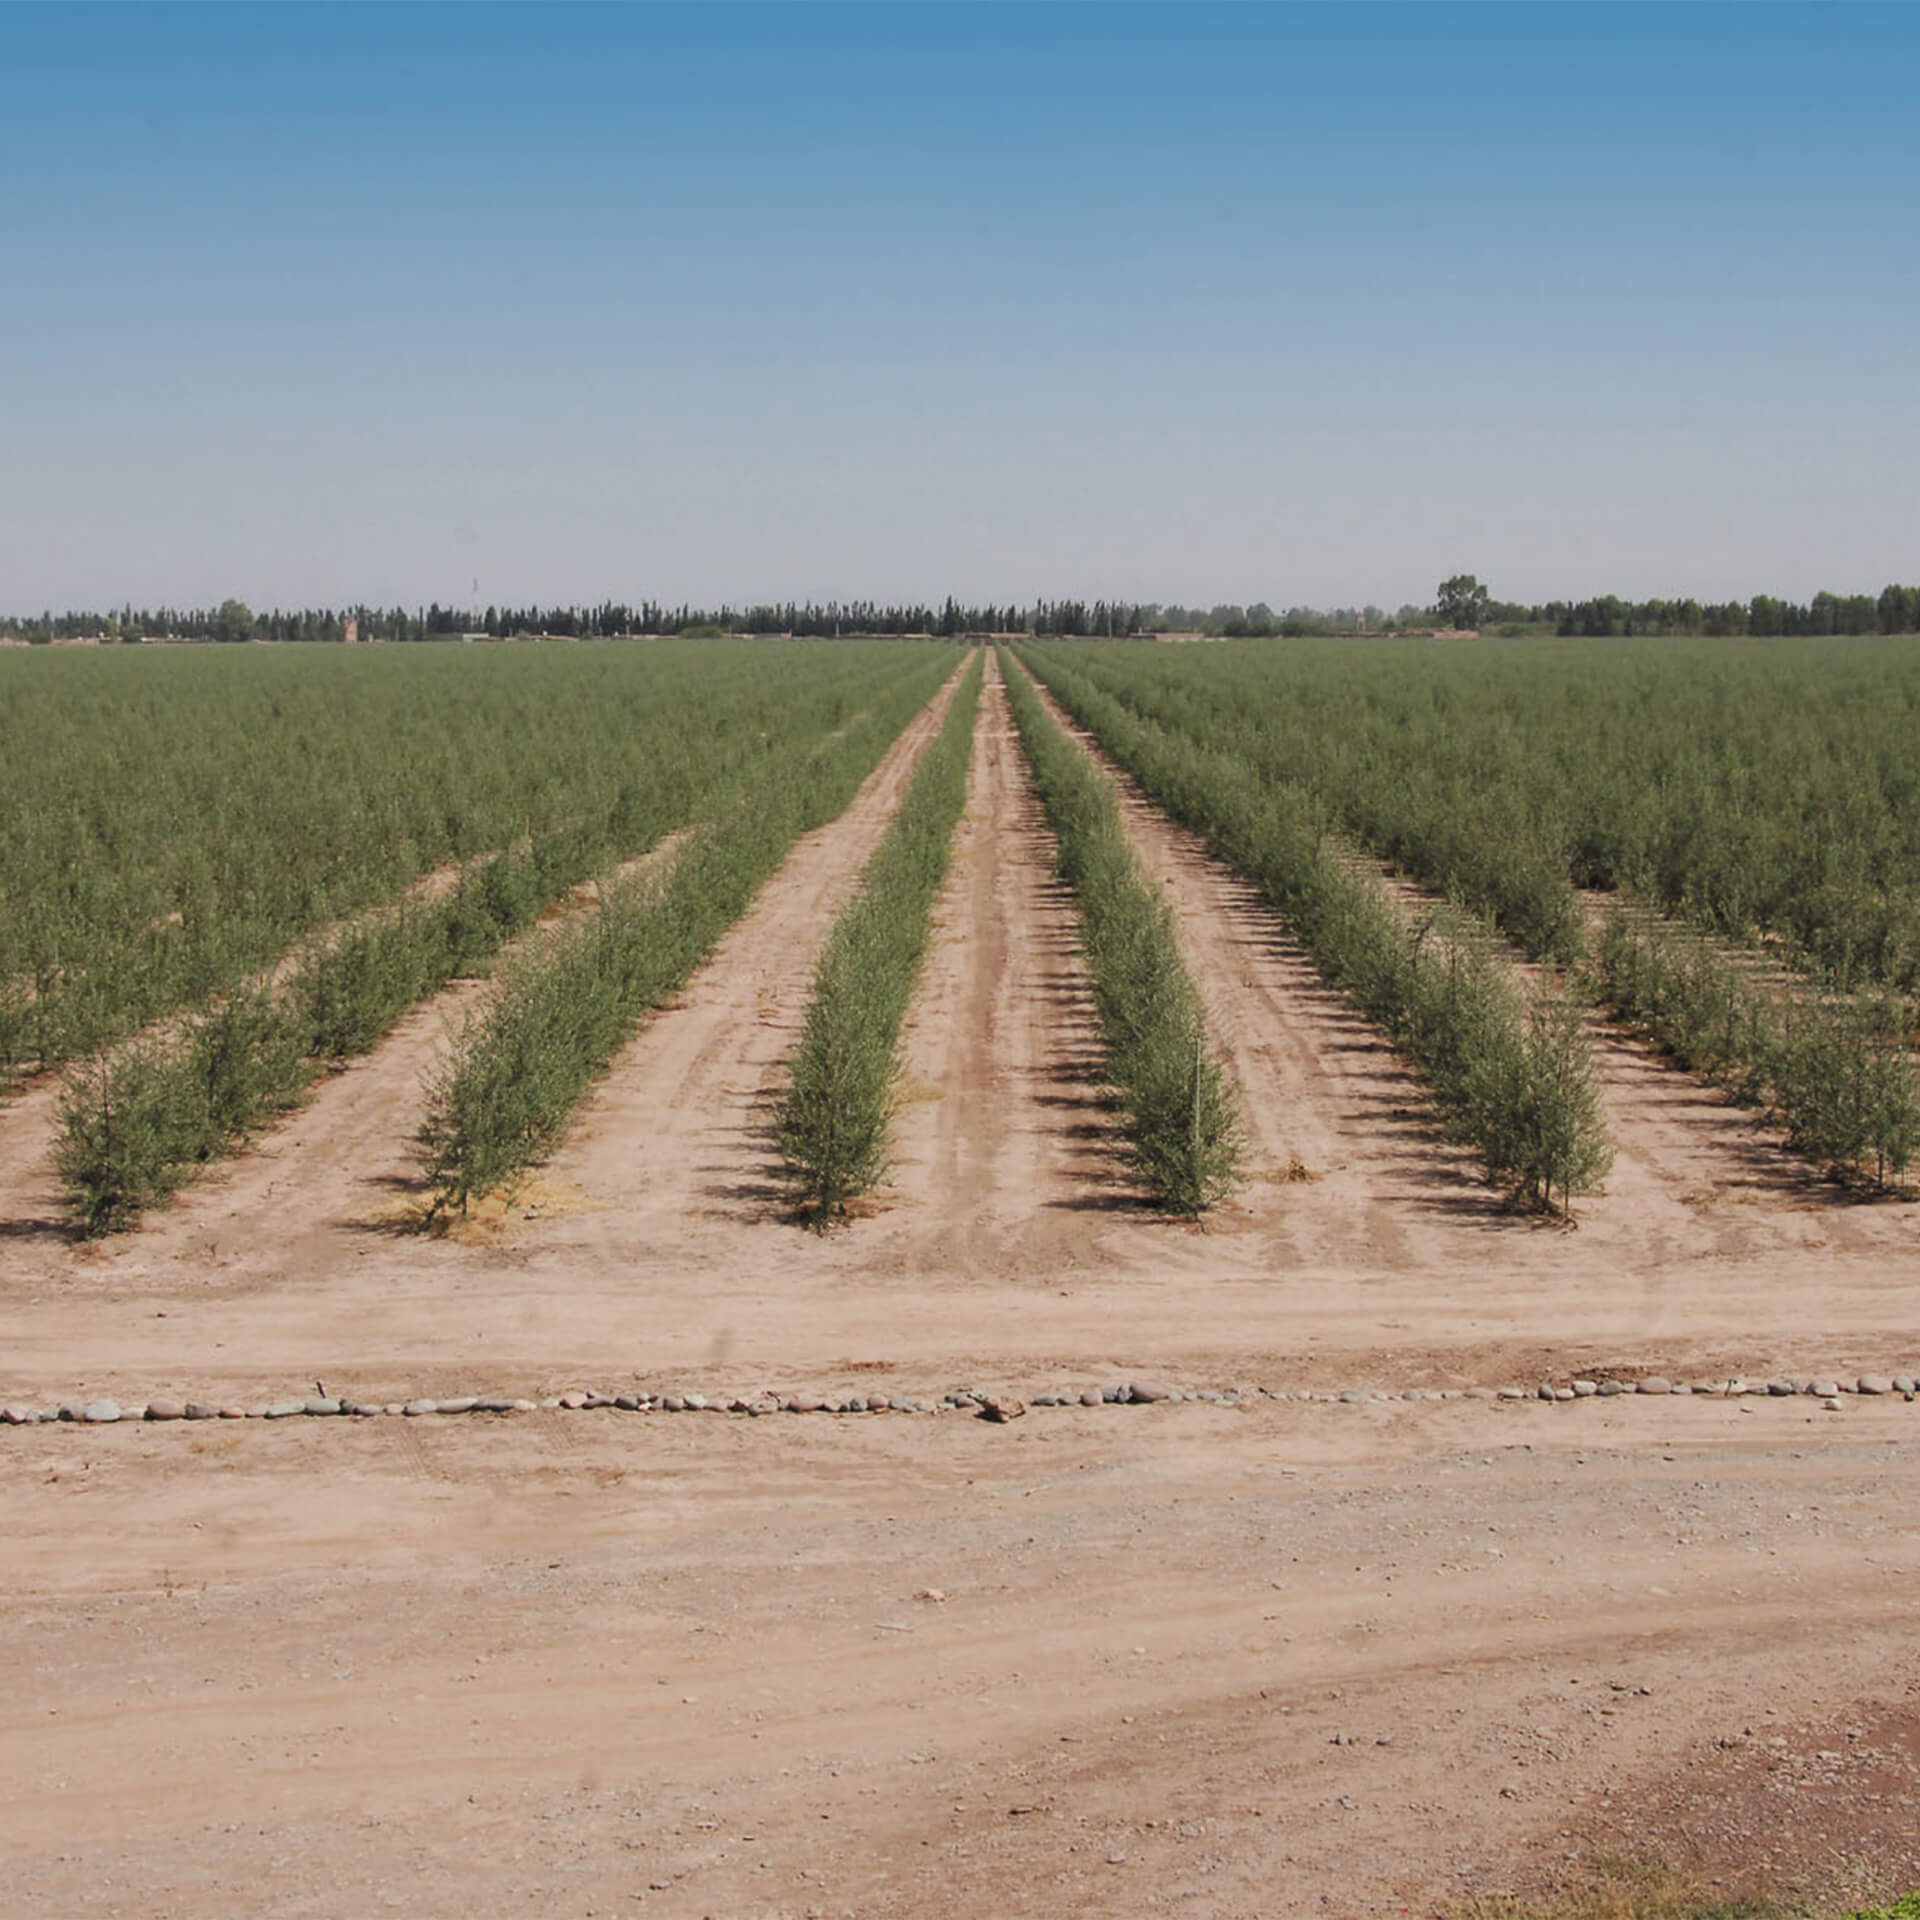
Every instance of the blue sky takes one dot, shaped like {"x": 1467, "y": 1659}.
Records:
{"x": 307, "y": 303}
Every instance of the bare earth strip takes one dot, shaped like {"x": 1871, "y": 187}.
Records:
{"x": 671, "y": 1155}
{"x": 1696, "y": 1178}
{"x": 1007, "y": 1161}
{"x": 1346, "y": 1163}
{"x": 30, "y": 1203}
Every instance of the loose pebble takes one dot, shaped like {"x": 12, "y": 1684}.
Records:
{"x": 1585, "y": 1389}
{"x": 100, "y": 1413}
{"x": 1656, "y": 1383}
{"x": 463, "y": 1403}
{"x": 320, "y": 1407}
{"x": 1144, "y": 1393}
{"x": 165, "y": 1409}
{"x": 1875, "y": 1383}
{"x": 414, "y": 1408}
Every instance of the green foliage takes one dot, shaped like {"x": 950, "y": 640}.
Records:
{"x": 186, "y": 816}
{"x": 1750, "y": 786}
{"x": 118, "y": 1148}
{"x": 1181, "y": 1107}
{"x": 1907, "y": 1907}
{"x": 1514, "y": 1080}
{"x": 833, "y": 1120}
{"x": 1835, "y": 1071}
{"x": 135, "y": 1127}
{"x": 523, "y": 1067}
{"x": 1462, "y": 601}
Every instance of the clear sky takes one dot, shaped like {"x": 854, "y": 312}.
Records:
{"x": 1303, "y": 304}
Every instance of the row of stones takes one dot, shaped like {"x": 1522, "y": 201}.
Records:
{"x": 989, "y": 1406}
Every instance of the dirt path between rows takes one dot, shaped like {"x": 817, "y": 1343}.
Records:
{"x": 30, "y": 1201}
{"x": 1694, "y": 1178}
{"x": 673, "y": 1148}
{"x": 1346, "y": 1163}
{"x": 1006, "y": 1156}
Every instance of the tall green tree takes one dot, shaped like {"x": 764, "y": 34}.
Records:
{"x": 1462, "y": 601}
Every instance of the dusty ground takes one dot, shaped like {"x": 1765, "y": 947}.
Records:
{"x": 1283, "y": 1658}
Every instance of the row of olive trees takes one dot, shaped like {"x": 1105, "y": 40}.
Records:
{"x": 1181, "y": 1106}
{"x": 523, "y": 1066}
{"x": 1751, "y": 789}
{"x": 1512, "y": 1074}
{"x": 187, "y": 817}
{"x": 834, "y": 1117}
{"x": 1835, "y": 1071}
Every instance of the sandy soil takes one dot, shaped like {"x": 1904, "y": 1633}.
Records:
{"x": 1280, "y": 1658}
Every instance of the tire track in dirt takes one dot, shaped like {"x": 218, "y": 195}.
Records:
{"x": 340, "y": 1162}
{"x": 673, "y": 1144}
{"x": 1004, "y": 1149}
{"x": 1346, "y": 1158}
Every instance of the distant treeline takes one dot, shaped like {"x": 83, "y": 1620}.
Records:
{"x": 1463, "y": 603}
{"x": 611, "y": 619}
{"x": 1892, "y": 610}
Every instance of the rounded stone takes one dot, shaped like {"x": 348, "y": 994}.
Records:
{"x": 1875, "y": 1383}
{"x": 16, "y": 1416}
{"x": 1608, "y": 1388}
{"x": 461, "y": 1403}
{"x": 1563, "y": 1393}
{"x": 100, "y": 1413}
{"x": 1781, "y": 1389}
{"x": 1904, "y": 1383}
{"x": 1585, "y": 1389}
{"x": 285, "y": 1409}
{"x": 164, "y": 1408}
{"x": 320, "y": 1407}
{"x": 573, "y": 1402}
{"x": 1826, "y": 1389}
{"x": 1656, "y": 1383}
{"x": 415, "y": 1408}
